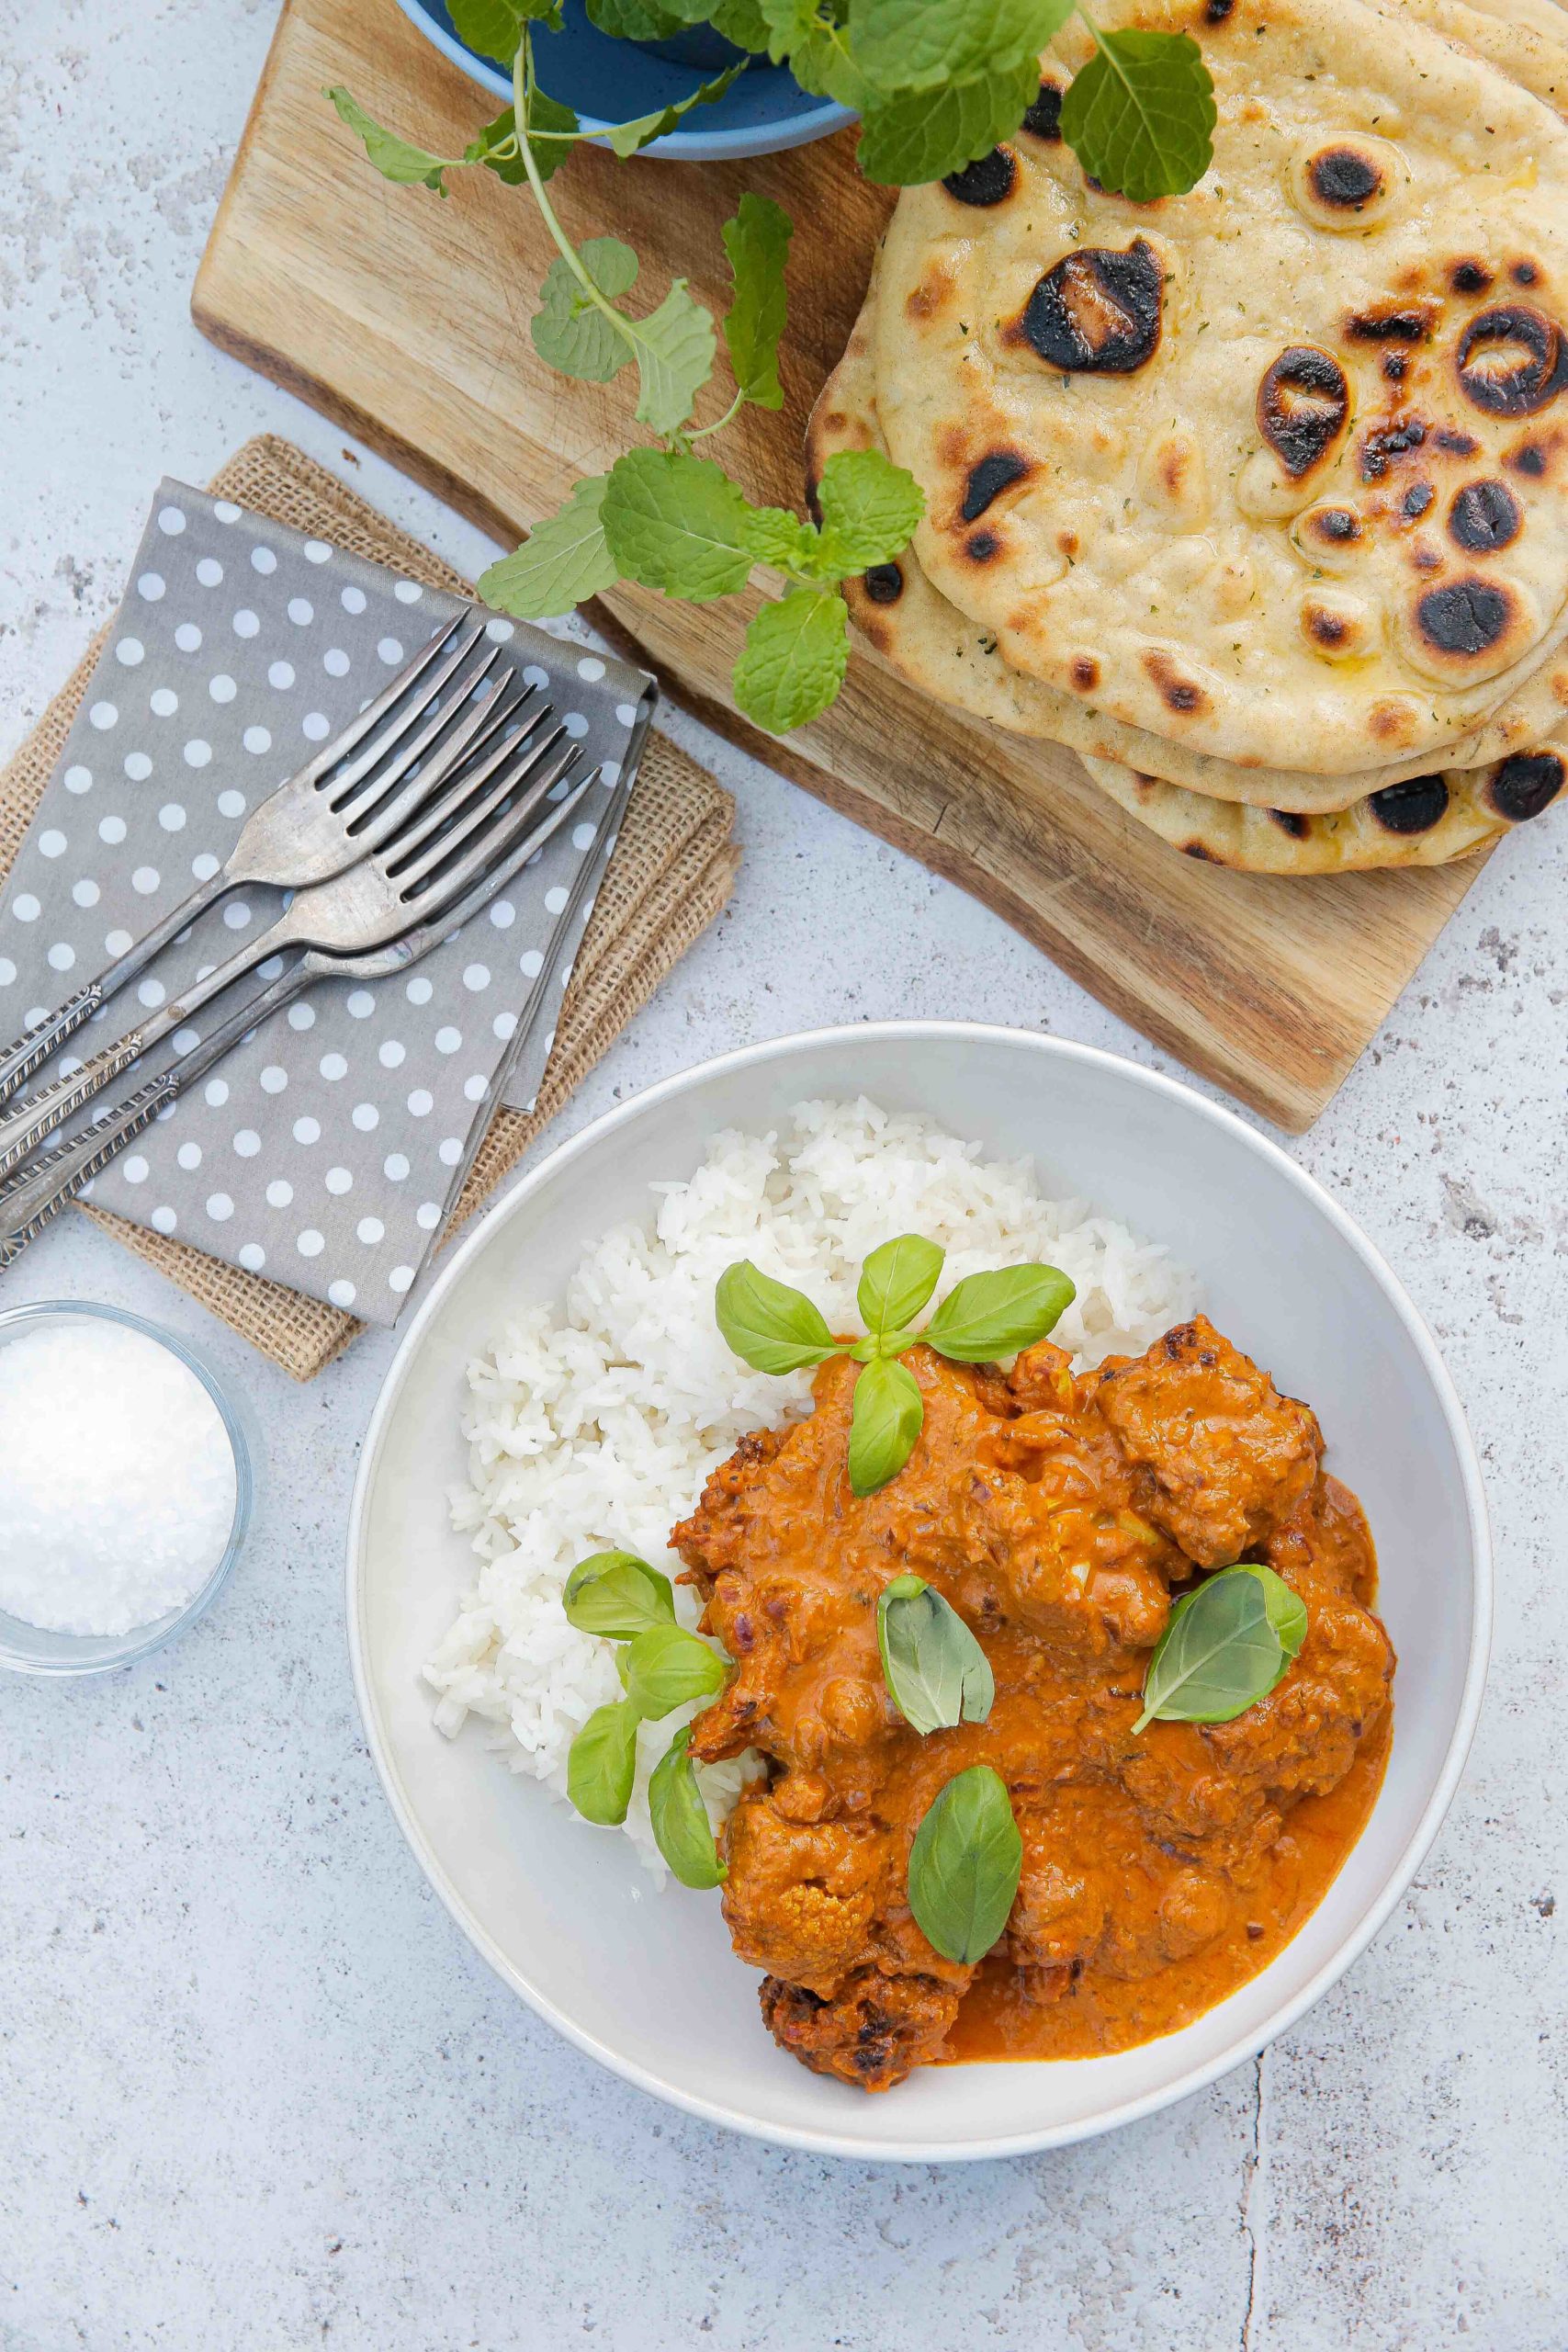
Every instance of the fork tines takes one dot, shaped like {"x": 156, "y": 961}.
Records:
{"x": 484, "y": 814}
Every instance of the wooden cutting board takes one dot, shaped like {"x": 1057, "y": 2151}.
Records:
{"x": 406, "y": 318}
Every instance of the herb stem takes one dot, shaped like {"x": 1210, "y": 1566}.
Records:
{"x": 701, "y": 431}
{"x": 522, "y": 96}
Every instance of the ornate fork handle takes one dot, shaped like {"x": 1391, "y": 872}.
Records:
{"x": 23, "y": 1129}
{"x": 31, "y": 1050}
{"x": 28, "y": 1202}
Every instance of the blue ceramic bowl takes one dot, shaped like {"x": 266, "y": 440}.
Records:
{"x": 613, "y": 81}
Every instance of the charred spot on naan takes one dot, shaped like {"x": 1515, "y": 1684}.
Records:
{"x": 1483, "y": 517}
{"x": 1097, "y": 312}
{"x": 1403, "y": 322}
{"x": 988, "y": 477}
{"x": 883, "y": 583}
{"x": 1470, "y": 277}
{"x": 1303, "y": 404}
{"x": 1511, "y": 360}
{"x": 990, "y": 180}
{"x": 1043, "y": 118}
{"x": 1178, "y": 694}
{"x": 1520, "y": 787}
{"x": 1350, "y": 183}
{"x": 1083, "y": 671}
{"x": 1414, "y": 807}
{"x": 1468, "y": 627}
{"x": 1383, "y": 445}
{"x": 1336, "y": 627}
{"x": 1291, "y": 820}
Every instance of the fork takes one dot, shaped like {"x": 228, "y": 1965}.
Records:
{"x": 30, "y": 1200}
{"x": 320, "y": 821}
{"x": 441, "y": 846}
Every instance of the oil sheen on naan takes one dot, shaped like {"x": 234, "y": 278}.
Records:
{"x": 1279, "y": 463}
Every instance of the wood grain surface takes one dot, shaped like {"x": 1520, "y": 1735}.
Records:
{"x": 406, "y": 318}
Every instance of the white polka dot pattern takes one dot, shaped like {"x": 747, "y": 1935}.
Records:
{"x": 326, "y": 1150}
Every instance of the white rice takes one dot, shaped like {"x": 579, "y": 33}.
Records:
{"x": 596, "y": 1426}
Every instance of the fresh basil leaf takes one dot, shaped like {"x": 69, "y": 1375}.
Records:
{"x": 676, "y": 522}
{"x": 757, "y": 241}
{"x": 570, "y": 331}
{"x": 682, "y": 1830}
{"x": 394, "y": 157}
{"x": 628, "y": 138}
{"x": 988, "y": 1315}
{"x": 888, "y": 1343}
{"x": 937, "y": 1674}
{"x": 1140, "y": 117}
{"x": 669, "y": 1668}
{"x": 775, "y": 536}
{"x": 675, "y": 345}
{"x": 1287, "y": 1612}
{"x": 917, "y": 44}
{"x": 633, "y": 20}
{"x": 794, "y": 660}
{"x": 601, "y": 1764}
{"x": 964, "y": 1865}
{"x": 618, "y": 1595}
{"x": 896, "y": 1282}
{"x": 769, "y": 1325}
{"x": 883, "y": 1424}
{"x": 742, "y": 22}
{"x": 906, "y": 140}
{"x": 870, "y": 508}
{"x": 1219, "y": 1653}
{"x": 563, "y": 562}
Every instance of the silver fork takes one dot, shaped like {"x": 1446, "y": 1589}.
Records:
{"x": 30, "y": 1200}
{"x": 438, "y": 850}
{"x": 321, "y": 820}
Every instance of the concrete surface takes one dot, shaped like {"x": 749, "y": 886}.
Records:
{"x": 255, "y": 2091}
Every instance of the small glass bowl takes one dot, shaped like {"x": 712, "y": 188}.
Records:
{"x": 31, "y": 1649}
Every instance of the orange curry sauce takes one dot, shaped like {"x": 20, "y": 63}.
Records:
{"x": 1057, "y": 1515}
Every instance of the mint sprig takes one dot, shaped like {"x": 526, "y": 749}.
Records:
{"x": 938, "y": 83}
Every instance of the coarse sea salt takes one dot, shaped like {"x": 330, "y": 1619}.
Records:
{"x": 117, "y": 1478}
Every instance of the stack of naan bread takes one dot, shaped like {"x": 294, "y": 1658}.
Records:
{"x": 1256, "y": 497}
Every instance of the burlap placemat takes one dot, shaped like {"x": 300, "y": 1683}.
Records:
{"x": 672, "y": 872}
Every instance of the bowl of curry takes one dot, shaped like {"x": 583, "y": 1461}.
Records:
{"x": 1184, "y": 1889}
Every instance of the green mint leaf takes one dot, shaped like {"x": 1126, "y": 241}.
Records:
{"x": 988, "y": 1315}
{"x": 493, "y": 27}
{"x": 757, "y": 241}
{"x": 676, "y": 347}
{"x": 627, "y": 138}
{"x": 906, "y": 140}
{"x": 937, "y": 1674}
{"x": 1220, "y": 1653}
{"x": 496, "y": 147}
{"x": 601, "y": 1764}
{"x": 964, "y": 1865}
{"x": 771, "y": 1326}
{"x": 681, "y": 1827}
{"x": 568, "y": 329}
{"x": 775, "y": 536}
{"x": 544, "y": 113}
{"x": 917, "y": 44}
{"x": 819, "y": 52}
{"x": 633, "y": 20}
{"x": 896, "y": 1282}
{"x": 563, "y": 562}
{"x": 676, "y": 522}
{"x": 1140, "y": 117}
{"x": 870, "y": 508}
{"x": 1287, "y": 1612}
{"x": 394, "y": 157}
{"x": 669, "y": 1668}
{"x": 883, "y": 1425}
{"x": 742, "y": 22}
{"x": 618, "y": 1596}
{"x": 794, "y": 660}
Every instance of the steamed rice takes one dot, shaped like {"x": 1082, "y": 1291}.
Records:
{"x": 596, "y": 1426}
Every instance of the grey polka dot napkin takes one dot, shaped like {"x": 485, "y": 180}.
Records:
{"x": 327, "y": 1149}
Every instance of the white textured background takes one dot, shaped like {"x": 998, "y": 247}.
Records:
{"x": 255, "y": 2093}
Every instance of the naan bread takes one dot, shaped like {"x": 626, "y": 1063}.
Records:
{"x": 934, "y": 645}
{"x": 1429, "y": 821}
{"x": 1277, "y": 462}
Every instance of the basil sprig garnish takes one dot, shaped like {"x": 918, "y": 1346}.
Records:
{"x": 1225, "y": 1645}
{"x": 776, "y": 1329}
{"x": 937, "y": 1674}
{"x": 661, "y": 1667}
{"x": 618, "y": 1595}
{"x": 964, "y": 1865}
{"x": 680, "y": 1817}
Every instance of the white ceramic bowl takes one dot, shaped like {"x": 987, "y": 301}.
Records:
{"x": 646, "y": 1982}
